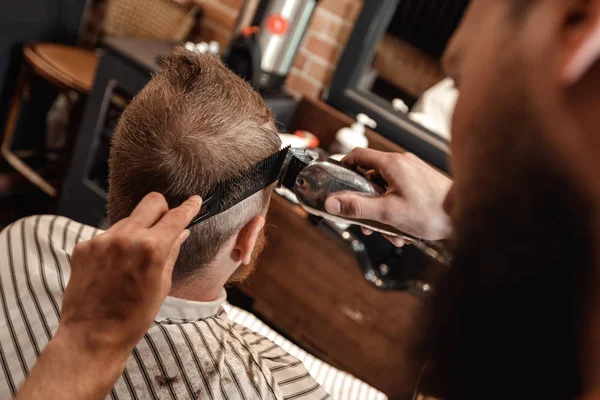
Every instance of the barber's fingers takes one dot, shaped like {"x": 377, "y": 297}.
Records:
{"x": 169, "y": 228}
{"x": 372, "y": 174}
{"x": 385, "y": 165}
{"x": 366, "y": 158}
{"x": 115, "y": 227}
{"x": 170, "y": 263}
{"x": 150, "y": 210}
{"x": 360, "y": 206}
{"x": 396, "y": 241}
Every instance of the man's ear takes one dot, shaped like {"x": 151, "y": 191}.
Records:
{"x": 247, "y": 238}
{"x": 581, "y": 27}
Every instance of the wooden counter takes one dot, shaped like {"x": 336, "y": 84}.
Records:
{"x": 310, "y": 286}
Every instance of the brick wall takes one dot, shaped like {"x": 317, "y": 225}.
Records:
{"x": 322, "y": 47}
{"x": 319, "y": 52}
{"x": 219, "y": 19}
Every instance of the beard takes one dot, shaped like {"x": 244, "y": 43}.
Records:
{"x": 244, "y": 271}
{"x": 508, "y": 320}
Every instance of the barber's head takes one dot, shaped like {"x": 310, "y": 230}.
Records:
{"x": 540, "y": 53}
{"x": 513, "y": 318}
{"x": 192, "y": 126}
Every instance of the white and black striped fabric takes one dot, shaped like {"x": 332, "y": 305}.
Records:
{"x": 192, "y": 351}
{"x": 340, "y": 385}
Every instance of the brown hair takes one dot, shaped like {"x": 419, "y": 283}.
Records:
{"x": 193, "y": 125}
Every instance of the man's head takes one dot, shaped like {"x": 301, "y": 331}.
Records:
{"x": 513, "y": 319}
{"x": 192, "y": 126}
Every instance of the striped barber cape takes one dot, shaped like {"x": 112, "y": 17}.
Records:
{"x": 192, "y": 351}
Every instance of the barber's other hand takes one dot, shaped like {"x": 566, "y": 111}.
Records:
{"x": 414, "y": 199}
{"x": 120, "y": 278}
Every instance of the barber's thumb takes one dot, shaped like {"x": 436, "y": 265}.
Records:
{"x": 347, "y": 205}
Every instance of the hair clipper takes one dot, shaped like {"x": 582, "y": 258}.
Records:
{"x": 312, "y": 181}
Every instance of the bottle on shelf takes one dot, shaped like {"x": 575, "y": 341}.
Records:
{"x": 347, "y": 139}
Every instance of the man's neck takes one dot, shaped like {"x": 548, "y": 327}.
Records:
{"x": 203, "y": 288}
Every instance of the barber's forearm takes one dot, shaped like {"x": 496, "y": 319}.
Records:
{"x": 70, "y": 369}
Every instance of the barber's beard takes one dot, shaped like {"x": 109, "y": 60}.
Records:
{"x": 507, "y": 320}
{"x": 244, "y": 271}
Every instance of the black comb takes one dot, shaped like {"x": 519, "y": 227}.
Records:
{"x": 237, "y": 189}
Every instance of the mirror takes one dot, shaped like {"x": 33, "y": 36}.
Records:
{"x": 391, "y": 70}
{"x": 406, "y": 65}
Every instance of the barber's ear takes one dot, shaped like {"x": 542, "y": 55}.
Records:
{"x": 581, "y": 19}
{"x": 247, "y": 238}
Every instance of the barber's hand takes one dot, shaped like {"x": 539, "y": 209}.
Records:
{"x": 414, "y": 199}
{"x": 120, "y": 278}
